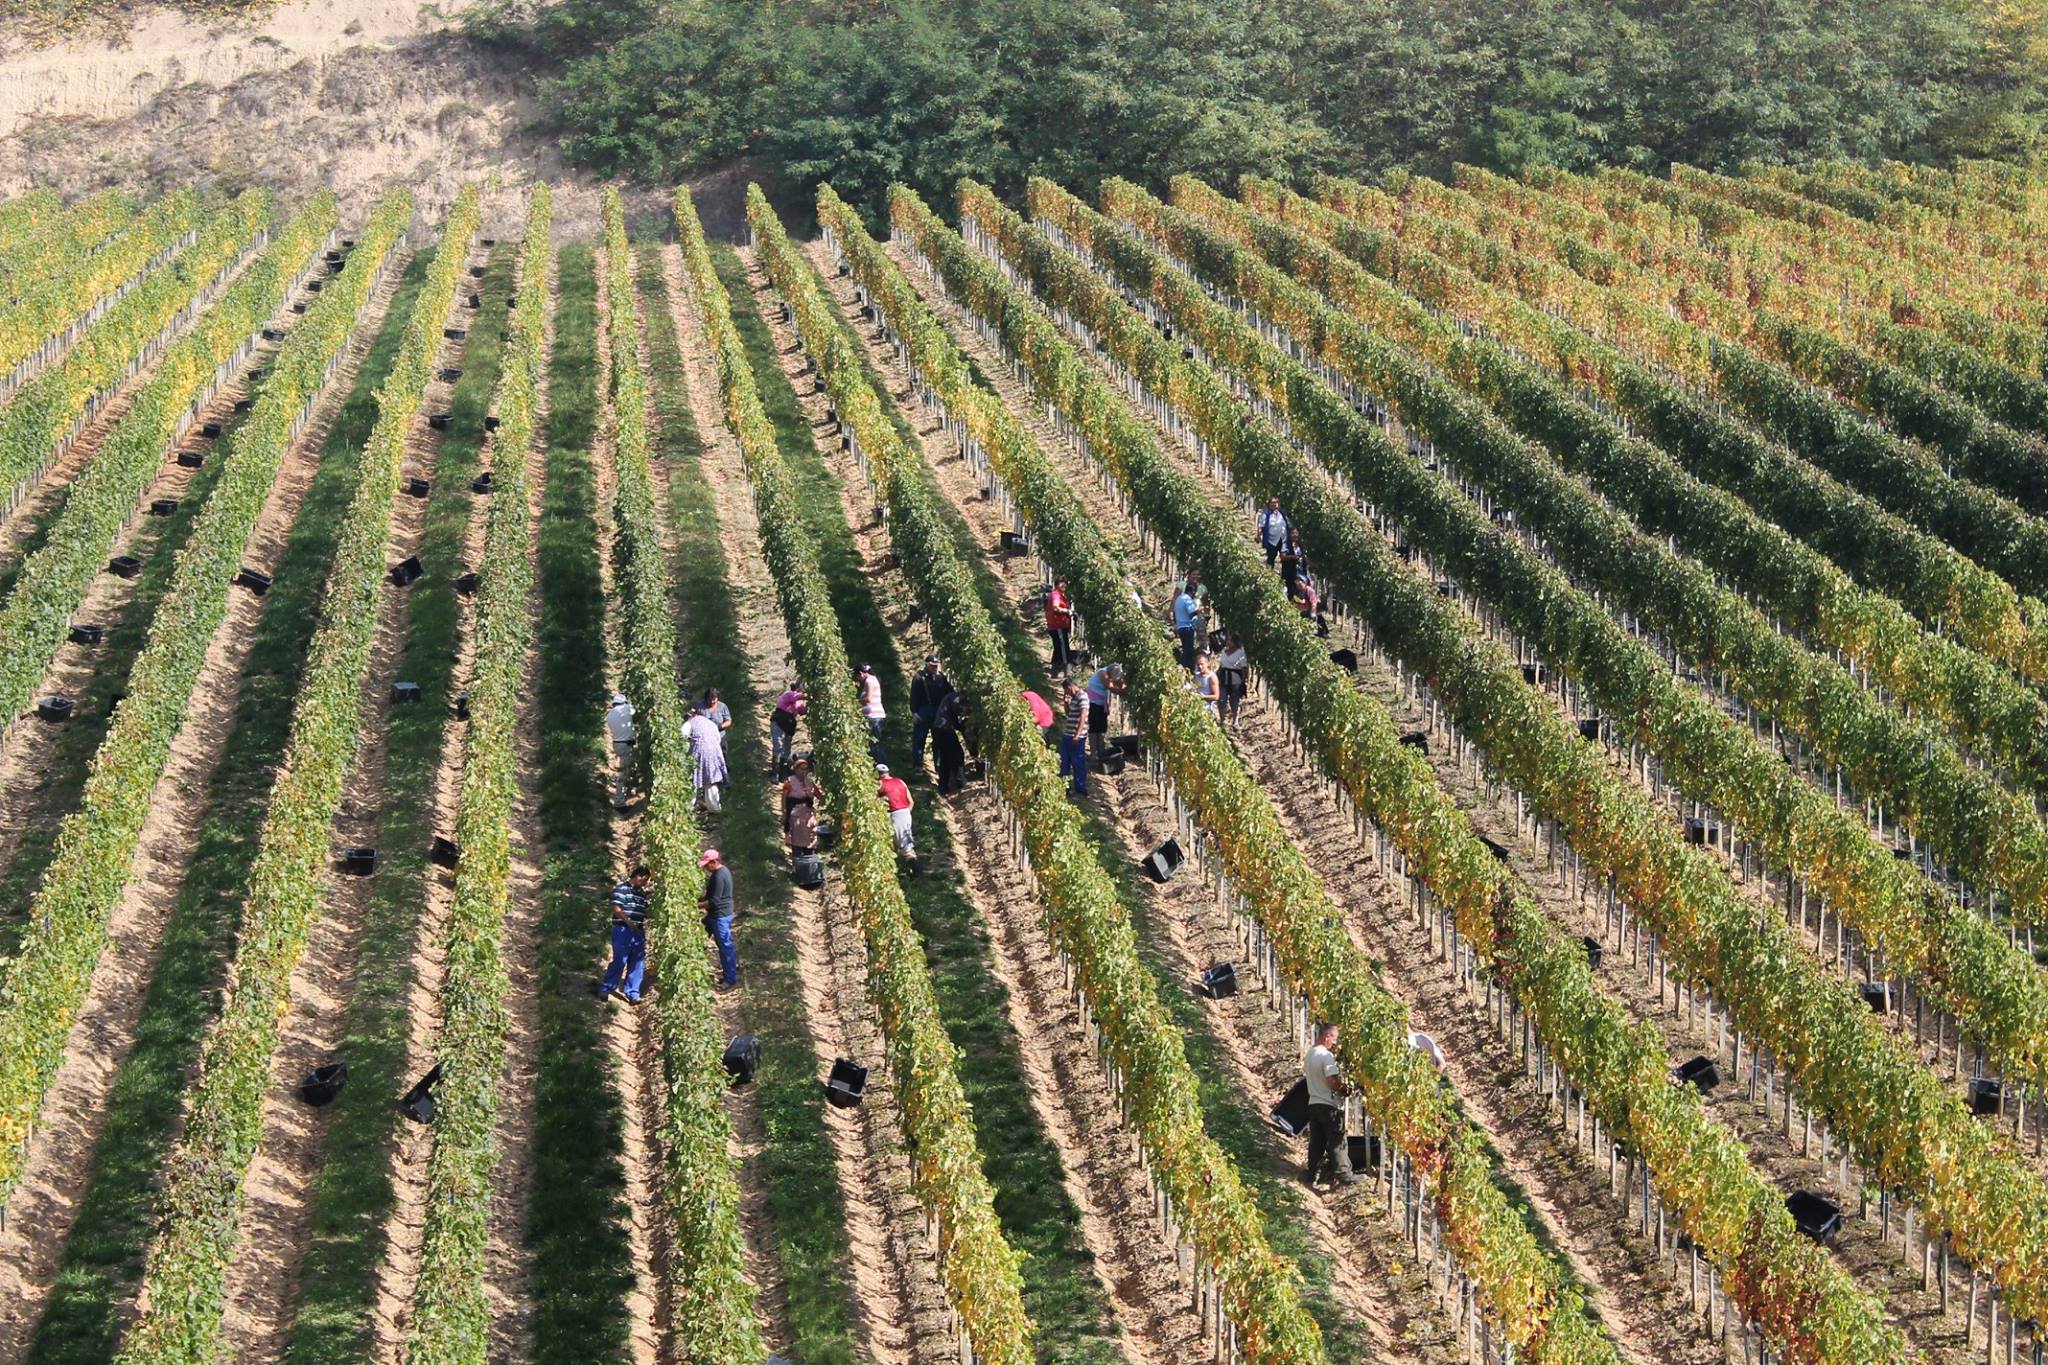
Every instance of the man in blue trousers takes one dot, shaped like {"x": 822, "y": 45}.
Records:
{"x": 629, "y": 938}
{"x": 718, "y": 912}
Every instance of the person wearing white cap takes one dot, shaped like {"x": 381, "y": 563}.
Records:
{"x": 619, "y": 722}
{"x": 895, "y": 794}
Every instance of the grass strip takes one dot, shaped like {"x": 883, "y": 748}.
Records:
{"x": 576, "y": 1216}
{"x": 710, "y": 1302}
{"x": 352, "y": 1196}
{"x": 806, "y": 1210}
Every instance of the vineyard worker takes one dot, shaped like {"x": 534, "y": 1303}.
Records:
{"x": 1041, "y": 713}
{"x": 927, "y": 689}
{"x": 947, "y": 753}
{"x": 707, "y": 744}
{"x": 720, "y": 713}
{"x": 716, "y": 902}
{"x": 895, "y": 795}
{"x": 1235, "y": 670}
{"x": 871, "y": 706}
{"x": 1059, "y": 624}
{"x": 1326, "y": 1091}
{"x": 1207, "y": 686}
{"x": 629, "y": 938}
{"x": 1104, "y": 683}
{"x": 619, "y": 722}
{"x": 1272, "y": 529}
{"x": 782, "y": 726}
{"x": 1187, "y": 620}
{"x": 800, "y": 809}
{"x": 1074, "y": 740}
{"x": 1293, "y": 558}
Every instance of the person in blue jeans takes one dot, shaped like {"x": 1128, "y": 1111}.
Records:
{"x": 629, "y": 938}
{"x": 718, "y": 912}
{"x": 1074, "y": 740}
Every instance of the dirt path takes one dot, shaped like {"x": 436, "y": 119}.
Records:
{"x": 404, "y": 1229}
{"x": 274, "y": 1231}
{"x": 1632, "y": 1293}
{"x": 40, "y": 1215}
{"x": 900, "y": 1309}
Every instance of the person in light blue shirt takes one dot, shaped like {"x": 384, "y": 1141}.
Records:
{"x": 1187, "y": 623}
{"x": 1272, "y": 529}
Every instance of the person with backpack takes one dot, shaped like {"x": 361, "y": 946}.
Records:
{"x": 629, "y": 938}
{"x": 1059, "y": 624}
{"x": 895, "y": 794}
{"x": 928, "y": 687}
{"x": 717, "y": 903}
{"x": 1272, "y": 529}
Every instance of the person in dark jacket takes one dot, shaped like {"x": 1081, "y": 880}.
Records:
{"x": 947, "y": 750}
{"x": 928, "y": 688}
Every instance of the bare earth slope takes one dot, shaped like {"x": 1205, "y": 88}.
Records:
{"x": 348, "y": 95}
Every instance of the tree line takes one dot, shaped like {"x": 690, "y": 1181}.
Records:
{"x": 866, "y": 92}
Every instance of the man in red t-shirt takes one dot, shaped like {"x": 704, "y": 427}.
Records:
{"x": 1059, "y": 623}
{"x": 895, "y": 794}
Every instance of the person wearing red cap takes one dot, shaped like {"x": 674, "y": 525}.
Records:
{"x": 718, "y": 912}
{"x": 895, "y": 795}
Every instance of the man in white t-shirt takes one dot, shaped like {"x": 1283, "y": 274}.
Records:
{"x": 618, "y": 722}
{"x": 1326, "y": 1091}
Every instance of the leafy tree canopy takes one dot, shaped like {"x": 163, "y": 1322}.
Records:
{"x": 862, "y": 92}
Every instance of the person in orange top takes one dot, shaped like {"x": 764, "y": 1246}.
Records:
{"x": 895, "y": 795}
{"x": 1059, "y": 623}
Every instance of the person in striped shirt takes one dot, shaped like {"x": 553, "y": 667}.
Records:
{"x": 629, "y": 938}
{"x": 1074, "y": 740}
